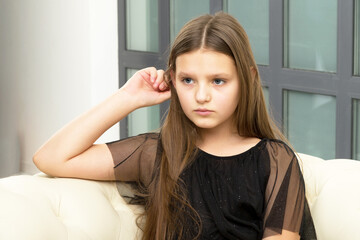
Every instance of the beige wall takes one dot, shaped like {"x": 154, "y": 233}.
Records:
{"x": 58, "y": 58}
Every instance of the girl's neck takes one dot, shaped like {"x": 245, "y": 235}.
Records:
{"x": 215, "y": 136}
{"x": 224, "y": 143}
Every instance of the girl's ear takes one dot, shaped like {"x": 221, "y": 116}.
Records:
{"x": 253, "y": 72}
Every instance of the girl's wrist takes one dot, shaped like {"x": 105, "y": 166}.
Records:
{"x": 125, "y": 99}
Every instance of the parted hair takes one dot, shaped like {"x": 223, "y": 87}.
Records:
{"x": 168, "y": 212}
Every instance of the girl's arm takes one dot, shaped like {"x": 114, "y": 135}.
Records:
{"x": 71, "y": 152}
{"x": 284, "y": 195}
{"x": 285, "y": 235}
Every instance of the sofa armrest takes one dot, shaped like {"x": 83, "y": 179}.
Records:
{"x": 40, "y": 207}
{"x": 333, "y": 193}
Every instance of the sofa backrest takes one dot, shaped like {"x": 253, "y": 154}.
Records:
{"x": 333, "y": 194}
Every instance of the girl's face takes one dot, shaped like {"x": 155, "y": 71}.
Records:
{"x": 207, "y": 84}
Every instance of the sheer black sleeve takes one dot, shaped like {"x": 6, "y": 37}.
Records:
{"x": 134, "y": 157}
{"x": 285, "y": 191}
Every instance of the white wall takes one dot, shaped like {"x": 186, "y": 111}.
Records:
{"x": 58, "y": 58}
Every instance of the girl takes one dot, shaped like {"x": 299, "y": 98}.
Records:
{"x": 216, "y": 169}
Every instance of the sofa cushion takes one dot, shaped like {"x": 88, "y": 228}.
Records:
{"x": 38, "y": 207}
{"x": 333, "y": 193}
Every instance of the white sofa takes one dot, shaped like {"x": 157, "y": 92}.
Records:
{"x": 39, "y": 207}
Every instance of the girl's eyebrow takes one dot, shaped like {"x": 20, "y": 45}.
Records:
{"x": 183, "y": 74}
{"x": 211, "y": 76}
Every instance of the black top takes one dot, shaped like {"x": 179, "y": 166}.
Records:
{"x": 251, "y": 195}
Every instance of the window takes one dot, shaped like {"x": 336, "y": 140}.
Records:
{"x": 254, "y": 17}
{"x": 357, "y": 38}
{"x": 144, "y": 119}
{"x": 142, "y": 28}
{"x": 310, "y": 123}
{"x": 181, "y": 13}
{"x": 310, "y": 32}
{"x": 356, "y": 129}
{"x": 308, "y": 54}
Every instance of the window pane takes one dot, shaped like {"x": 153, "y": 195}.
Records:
{"x": 357, "y": 38}
{"x": 181, "y": 11}
{"x": 142, "y": 31}
{"x": 266, "y": 96}
{"x": 254, "y": 17}
{"x": 144, "y": 119}
{"x": 310, "y": 34}
{"x": 310, "y": 123}
{"x": 356, "y": 130}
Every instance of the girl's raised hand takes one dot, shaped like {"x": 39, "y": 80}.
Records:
{"x": 71, "y": 152}
{"x": 148, "y": 87}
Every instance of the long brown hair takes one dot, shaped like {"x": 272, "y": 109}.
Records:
{"x": 168, "y": 210}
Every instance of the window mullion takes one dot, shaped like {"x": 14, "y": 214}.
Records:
{"x": 216, "y": 6}
{"x": 345, "y": 65}
{"x": 275, "y": 57}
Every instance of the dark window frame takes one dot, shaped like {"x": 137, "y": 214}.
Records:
{"x": 343, "y": 84}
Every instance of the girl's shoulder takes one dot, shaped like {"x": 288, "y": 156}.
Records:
{"x": 278, "y": 151}
{"x": 142, "y": 144}
{"x": 134, "y": 157}
{"x": 275, "y": 144}
{"x": 138, "y": 139}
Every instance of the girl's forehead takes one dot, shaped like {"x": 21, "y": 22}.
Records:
{"x": 202, "y": 51}
{"x": 205, "y": 60}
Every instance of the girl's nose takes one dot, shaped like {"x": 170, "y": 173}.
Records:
{"x": 202, "y": 94}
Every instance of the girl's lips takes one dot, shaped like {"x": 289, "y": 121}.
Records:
{"x": 203, "y": 111}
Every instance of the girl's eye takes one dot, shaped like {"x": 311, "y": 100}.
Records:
{"x": 219, "y": 82}
{"x": 188, "y": 80}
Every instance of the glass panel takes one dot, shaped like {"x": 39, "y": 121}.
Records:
{"x": 357, "y": 38}
{"x": 310, "y": 123}
{"x": 356, "y": 130}
{"x": 142, "y": 31}
{"x": 144, "y": 119}
{"x": 266, "y": 95}
{"x": 254, "y": 17}
{"x": 181, "y": 11}
{"x": 310, "y": 34}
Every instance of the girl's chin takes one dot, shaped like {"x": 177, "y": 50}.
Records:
{"x": 203, "y": 125}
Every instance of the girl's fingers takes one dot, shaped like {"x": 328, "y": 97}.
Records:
{"x": 165, "y": 95}
{"x": 149, "y": 74}
{"x": 156, "y": 78}
{"x": 154, "y": 74}
{"x": 159, "y": 77}
{"x": 160, "y": 82}
{"x": 163, "y": 86}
